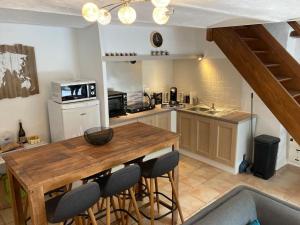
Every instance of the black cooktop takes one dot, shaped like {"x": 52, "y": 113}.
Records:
{"x": 139, "y": 107}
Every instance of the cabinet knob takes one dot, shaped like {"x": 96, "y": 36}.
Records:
{"x": 83, "y": 114}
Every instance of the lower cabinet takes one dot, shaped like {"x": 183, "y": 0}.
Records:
{"x": 207, "y": 137}
{"x": 225, "y": 135}
{"x": 185, "y": 126}
{"x": 204, "y": 136}
{"x": 161, "y": 120}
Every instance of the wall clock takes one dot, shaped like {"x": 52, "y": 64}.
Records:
{"x": 156, "y": 39}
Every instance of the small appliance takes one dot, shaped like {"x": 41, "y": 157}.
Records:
{"x": 158, "y": 98}
{"x": 117, "y": 103}
{"x": 73, "y": 91}
{"x": 139, "y": 107}
{"x": 173, "y": 96}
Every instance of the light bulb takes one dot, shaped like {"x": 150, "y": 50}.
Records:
{"x": 127, "y": 14}
{"x": 104, "y": 17}
{"x": 160, "y": 15}
{"x": 160, "y": 3}
{"x": 90, "y": 12}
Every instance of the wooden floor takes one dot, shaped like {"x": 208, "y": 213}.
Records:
{"x": 201, "y": 184}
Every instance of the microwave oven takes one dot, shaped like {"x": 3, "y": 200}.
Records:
{"x": 117, "y": 103}
{"x": 73, "y": 91}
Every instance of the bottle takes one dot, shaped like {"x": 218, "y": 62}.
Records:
{"x": 22, "y": 134}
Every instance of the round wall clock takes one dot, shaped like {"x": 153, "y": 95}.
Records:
{"x": 156, "y": 39}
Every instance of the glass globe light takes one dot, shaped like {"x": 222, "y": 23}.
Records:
{"x": 160, "y": 3}
{"x": 127, "y": 14}
{"x": 104, "y": 17}
{"x": 160, "y": 15}
{"x": 90, "y": 12}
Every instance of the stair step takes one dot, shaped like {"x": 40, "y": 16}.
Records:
{"x": 294, "y": 93}
{"x": 272, "y": 65}
{"x": 249, "y": 38}
{"x": 283, "y": 78}
{"x": 260, "y": 51}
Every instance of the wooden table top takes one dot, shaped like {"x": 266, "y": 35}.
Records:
{"x": 64, "y": 162}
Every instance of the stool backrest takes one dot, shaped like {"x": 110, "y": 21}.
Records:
{"x": 165, "y": 163}
{"x": 73, "y": 203}
{"x": 122, "y": 180}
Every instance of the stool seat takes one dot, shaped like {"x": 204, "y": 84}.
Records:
{"x": 72, "y": 203}
{"x": 159, "y": 166}
{"x": 119, "y": 181}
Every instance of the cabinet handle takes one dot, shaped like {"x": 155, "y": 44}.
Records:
{"x": 82, "y": 114}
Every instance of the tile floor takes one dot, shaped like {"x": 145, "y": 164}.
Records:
{"x": 201, "y": 184}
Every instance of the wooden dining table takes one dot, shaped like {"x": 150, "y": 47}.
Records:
{"x": 42, "y": 169}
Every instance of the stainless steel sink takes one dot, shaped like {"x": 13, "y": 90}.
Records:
{"x": 204, "y": 110}
{"x": 198, "y": 109}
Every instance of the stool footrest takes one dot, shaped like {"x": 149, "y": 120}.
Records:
{"x": 171, "y": 208}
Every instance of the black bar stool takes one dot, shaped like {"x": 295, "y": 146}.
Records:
{"x": 158, "y": 167}
{"x": 117, "y": 183}
{"x": 73, "y": 204}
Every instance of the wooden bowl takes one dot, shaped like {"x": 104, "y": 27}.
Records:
{"x": 99, "y": 135}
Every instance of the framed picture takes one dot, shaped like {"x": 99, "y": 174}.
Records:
{"x": 18, "y": 74}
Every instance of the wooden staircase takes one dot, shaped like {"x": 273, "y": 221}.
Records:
{"x": 268, "y": 68}
{"x": 296, "y": 27}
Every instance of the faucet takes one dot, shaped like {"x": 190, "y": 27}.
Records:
{"x": 211, "y": 107}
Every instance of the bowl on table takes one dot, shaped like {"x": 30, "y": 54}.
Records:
{"x": 98, "y": 135}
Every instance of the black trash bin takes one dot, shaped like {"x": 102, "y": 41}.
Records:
{"x": 265, "y": 156}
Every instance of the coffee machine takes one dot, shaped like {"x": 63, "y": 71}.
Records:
{"x": 173, "y": 96}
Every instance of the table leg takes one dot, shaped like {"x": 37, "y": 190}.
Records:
{"x": 175, "y": 175}
{"x": 17, "y": 204}
{"x": 37, "y": 206}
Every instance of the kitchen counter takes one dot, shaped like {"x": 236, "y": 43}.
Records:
{"x": 231, "y": 117}
{"x": 122, "y": 119}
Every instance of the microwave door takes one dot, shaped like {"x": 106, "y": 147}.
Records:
{"x": 74, "y": 92}
{"x": 115, "y": 106}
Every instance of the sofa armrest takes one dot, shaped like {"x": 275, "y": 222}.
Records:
{"x": 272, "y": 211}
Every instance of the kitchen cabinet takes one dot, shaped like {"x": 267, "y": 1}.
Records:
{"x": 224, "y": 139}
{"x": 161, "y": 120}
{"x": 204, "y": 136}
{"x": 185, "y": 125}
{"x": 212, "y": 138}
{"x": 149, "y": 120}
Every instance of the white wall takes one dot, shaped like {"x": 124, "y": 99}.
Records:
{"x": 213, "y": 80}
{"x": 124, "y": 76}
{"x": 55, "y": 50}
{"x": 177, "y": 40}
{"x": 158, "y": 76}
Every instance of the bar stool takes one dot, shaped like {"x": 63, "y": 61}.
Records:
{"x": 73, "y": 204}
{"x": 117, "y": 183}
{"x": 158, "y": 167}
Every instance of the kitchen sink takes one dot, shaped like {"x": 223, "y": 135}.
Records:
{"x": 199, "y": 109}
{"x": 204, "y": 110}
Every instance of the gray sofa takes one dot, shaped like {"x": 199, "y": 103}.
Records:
{"x": 243, "y": 205}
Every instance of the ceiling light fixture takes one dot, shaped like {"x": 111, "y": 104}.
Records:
{"x": 126, "y": 14}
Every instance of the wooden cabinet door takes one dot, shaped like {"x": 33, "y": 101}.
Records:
{"x": 150, "y": 120}
{"x": 204, "y": 136}
{"x": 225, "y": 142}
{"x": 186, "y": 130}
{"x": 163, "y": 120}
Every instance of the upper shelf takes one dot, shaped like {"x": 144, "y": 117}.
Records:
{"x": 146, "y": 57}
